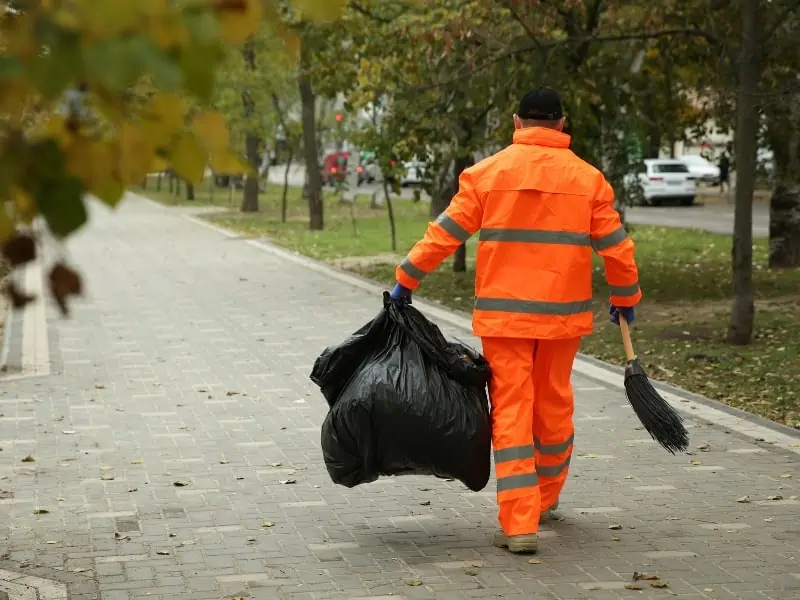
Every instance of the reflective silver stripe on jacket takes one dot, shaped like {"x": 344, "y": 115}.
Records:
{"x": 533, "y": 307}
{"x": 412, "y": 271}
{"x": 610, "y": 240}
{"x": 450, "y": 226}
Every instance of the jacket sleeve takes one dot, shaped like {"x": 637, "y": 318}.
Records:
{"x": 611, "y": 241}
{"x": 455, "y": 225}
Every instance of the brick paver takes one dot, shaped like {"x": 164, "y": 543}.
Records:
{"x": 177, "y": 454}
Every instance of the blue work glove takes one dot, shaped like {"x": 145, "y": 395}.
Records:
{"x": 627, "y": 313}
{"x": 401, "y": 295}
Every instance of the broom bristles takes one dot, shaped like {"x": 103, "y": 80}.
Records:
{"x": 660, "y": 420}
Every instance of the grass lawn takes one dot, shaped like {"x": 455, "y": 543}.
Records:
{"x": 681, "y": 324}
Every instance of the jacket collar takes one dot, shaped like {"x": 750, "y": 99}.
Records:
{"x": 541, "y": 136}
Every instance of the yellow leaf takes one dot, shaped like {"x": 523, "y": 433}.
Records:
{"x": 158, "y": 165}
{"x": 211, "y": 128}
{"x": 320, "y": 10}
{"x": 6, "y": 225}
{"x": 229, "y": 163}
{"x": 239, "y": 19}
{"x": 23, "y": 203}
{"x": 136, "y": 151}
{"x": 165, "y": 115}
{"x": 188, "y": 158}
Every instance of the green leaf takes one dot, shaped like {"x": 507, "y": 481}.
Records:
{"x": 203, "y": 27}
{"x": 110, "y": 63}
{"x": 10, "y": 67}
{"x": 166, "y": 72}
{"x": 196, "y": 63}
{"x": 59, "y": 67}
{"x": 61, "y": 204}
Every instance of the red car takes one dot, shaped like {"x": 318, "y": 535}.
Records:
{"x": 334, "y": 167}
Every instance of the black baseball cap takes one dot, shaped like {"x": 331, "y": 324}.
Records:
{"x": 541, "y": 104}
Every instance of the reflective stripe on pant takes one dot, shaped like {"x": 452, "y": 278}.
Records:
{"x": 532, "y": 431}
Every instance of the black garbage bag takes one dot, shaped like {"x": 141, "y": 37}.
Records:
{"x": 404, "y": 401}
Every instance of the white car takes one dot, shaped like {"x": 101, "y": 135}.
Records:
{"x": 701, "y": 168}
{"x": 664, "y": 180}
{"x": 415, "y": 171}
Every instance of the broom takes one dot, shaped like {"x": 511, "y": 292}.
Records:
{"x": 659, "y": 418}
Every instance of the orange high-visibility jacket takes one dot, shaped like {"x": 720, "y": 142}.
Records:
{"x": 541, "y": 211}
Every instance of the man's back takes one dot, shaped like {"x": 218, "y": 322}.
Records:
{"x": 540, "y": 211}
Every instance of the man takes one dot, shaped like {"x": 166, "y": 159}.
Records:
{"x": 540, "y": 211}
{"x": 724, "y": 173}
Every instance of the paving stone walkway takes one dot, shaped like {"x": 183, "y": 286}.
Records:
{"x": 176, "y": 447}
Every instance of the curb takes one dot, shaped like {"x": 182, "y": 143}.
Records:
{"x": 698, "y": 407}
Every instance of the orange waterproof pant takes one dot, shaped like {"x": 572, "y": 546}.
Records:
{"x": 532, "y": 429}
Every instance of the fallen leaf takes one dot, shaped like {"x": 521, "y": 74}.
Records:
{"x": 786, "y": 476}
{"x": 224, "y": 462}
{"x": 644, "y": 577}
{"x": 534, "y": 561}
{"x": 744, "y": 500}
{"x": 658, "y": 584}
{"x": 251, "y": 539}
{"x": 470, "y": 572}
{"x": 188, "y": 543}
{"x": 695, "y": 462}
{"x": 778, "y": 497}
{"x": 615, "y": 527}
{"x": 68, "y": 432}
{"x": 133, "y": 490}
{"x": 632, "y": 586}
{"x": 162, "y": 553}
{"x": 138, "y": 461}
{"x": 180, "y": 484}
{"x": 79, "y": 570}
{"x": 106, "y": 468}
{"x": 232, "y": 394}
{"x": 29, "y": 458}
{"x": 107, "y": 478}
{"x": 99, "y": 386}
{"x": 41, "y": 511}
{"x": 276, "y": 464}
{"x": 426, "y": 503}
{"x": 268, "y": 524}
{"x": 414, "y": 582}
{"x": 52, "y": 542}
{"x": 615, "y": 539}
{"x": 287, "y": 481}
{"x": 708, "y": 589}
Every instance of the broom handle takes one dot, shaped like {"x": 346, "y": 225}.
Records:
{"x": 626, "y": 338}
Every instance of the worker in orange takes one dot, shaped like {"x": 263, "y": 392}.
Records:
{"x": 541, "y": 211}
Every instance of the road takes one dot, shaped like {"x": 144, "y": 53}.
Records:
{"x": 717, "y": 218}
{"x": 166, "y": 445}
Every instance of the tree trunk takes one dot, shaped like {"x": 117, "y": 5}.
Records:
{"x": 460, "y": 257}
{"x": 784, "y": 226}
{"x": 189, "y": 191}
{"x": 171, "y": 186}
{"x": 158, "y": 182}
{"x": 784, "y": 206}
{"x": 285, "y": 197}
{"x": 740, "y": 330}
{"x": 445, "y": 190}
{"x": 316, "y": 221}
{"x": 392, "y": 225}
{"x": 250, "y": 195}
